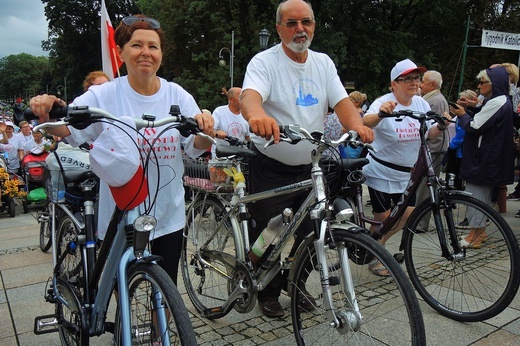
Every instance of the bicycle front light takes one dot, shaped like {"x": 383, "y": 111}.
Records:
{"x": 342, "y": 210}
{"x": 143, "y": 225}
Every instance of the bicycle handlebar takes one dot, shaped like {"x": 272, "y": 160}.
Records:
{"x": 80, "y": 117}
{"x": 293, "y": 134}
{"x": 417, "y": 115}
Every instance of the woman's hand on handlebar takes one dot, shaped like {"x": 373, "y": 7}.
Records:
{"x": 206, "y": 123}
{"x": 41, "y": 105}
{"x": 388, "y": 107}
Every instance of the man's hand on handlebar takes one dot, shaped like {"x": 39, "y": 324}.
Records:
{"x": 265, "y": 126}
{"x": 41, "y": 105}
{"x": 366, "y": 134}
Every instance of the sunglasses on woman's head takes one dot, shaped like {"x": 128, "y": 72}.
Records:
{"x": 131, "y": 20}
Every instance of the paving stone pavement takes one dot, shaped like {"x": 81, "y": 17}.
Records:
{"x": 24, "y": 271}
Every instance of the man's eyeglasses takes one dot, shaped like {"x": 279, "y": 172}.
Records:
{"x": 408, "y": 80}
{"x": 292, "y": 24}
{"x": 154, "y": 23}
{"x": 480, "y": 82}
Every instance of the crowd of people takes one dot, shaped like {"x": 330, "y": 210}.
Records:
{"x": 290, "y": 83}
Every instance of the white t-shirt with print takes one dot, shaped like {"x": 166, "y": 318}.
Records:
{"x": 119, "y": 99}
{"x": 15, "y": 144}
{"x": 397, "y": 142}
{"x": 233, "y": 124}
{"x": 294, "y": 93}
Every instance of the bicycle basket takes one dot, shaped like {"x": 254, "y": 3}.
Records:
{"x": 217, "y": 175}
{"x": 196, "y": 173}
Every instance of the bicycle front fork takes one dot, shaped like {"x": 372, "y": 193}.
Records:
{"x": 351, "y": 315}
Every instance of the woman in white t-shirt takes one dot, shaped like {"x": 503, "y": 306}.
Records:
{"x": 397, "y": 146}
{"x": 140, "y": 43}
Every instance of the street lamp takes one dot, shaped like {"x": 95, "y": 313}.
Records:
{"x": 60, "y": 89}
{"x": 264, "y": 38}
{"x": 231, "y": 52}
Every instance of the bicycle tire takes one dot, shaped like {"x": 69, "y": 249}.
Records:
{"x": 46, "y": 229}
{"x": 390, "y": 311}
{"x": 145, "y": 280}
{"x": 71, "y": 268}
{"x": 471, "y": 287}
{"x": 70, "y": 274}
{"x": 12, "y": 207}
{"x": 205, "y": 287}
{"x": 25, "y": 204}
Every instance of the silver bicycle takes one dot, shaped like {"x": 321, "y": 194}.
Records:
{"x": 335, "y": 299}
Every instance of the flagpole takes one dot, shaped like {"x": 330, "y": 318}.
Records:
{"x": 115, "y": 59}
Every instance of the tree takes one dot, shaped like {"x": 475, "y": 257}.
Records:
{"x": 75, "y": 38}
{"x": 22, "y": 75}
{"x": 364, "y": 38}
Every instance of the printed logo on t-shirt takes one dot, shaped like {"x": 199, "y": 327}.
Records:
{"x": 235, "y": 129}
{"x": 305, "y": 97}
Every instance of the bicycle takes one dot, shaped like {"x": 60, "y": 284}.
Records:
{"x": 149, "y": 306}
{"x": 461, "y": 283}
{"x": 70, "y": 202}
{"x": 329, "y": 270}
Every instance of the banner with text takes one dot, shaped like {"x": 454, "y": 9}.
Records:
{"x": 500, "y": 40}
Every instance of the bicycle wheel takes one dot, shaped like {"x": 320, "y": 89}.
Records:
{"x": 72, "y": 328}
{"x": 389, "y": 313}
{"x": 477, "y": 283}
{"x": 71, "y": 284}
{"x": 44, "y": 218}
{"x": 151, "y": 289}
{"x": 71, "y": 268}
{"x": 206, "y": 287}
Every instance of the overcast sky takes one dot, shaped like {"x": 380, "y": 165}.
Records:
{"x": 23, "y": 26}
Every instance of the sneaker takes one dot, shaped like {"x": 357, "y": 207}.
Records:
{"x": 306, "y": 301}
{"x": 513, "y": 196}
{"x": 271, "y": 309}
{"x": 464, "y": 223}
{"x": 517, "y": 214}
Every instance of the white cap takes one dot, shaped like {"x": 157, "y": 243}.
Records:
{"x": 115, "y": 159}
{"x": 404, "y": 67}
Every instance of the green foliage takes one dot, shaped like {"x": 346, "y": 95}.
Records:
{"x": 22, "y": 75}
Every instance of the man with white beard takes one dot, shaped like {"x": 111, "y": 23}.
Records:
{"x": 289, "y": 84}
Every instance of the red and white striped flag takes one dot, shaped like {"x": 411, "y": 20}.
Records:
{"x": 109, "y": 56}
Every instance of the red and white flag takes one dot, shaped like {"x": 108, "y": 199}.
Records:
{"x": 110, "y": 58}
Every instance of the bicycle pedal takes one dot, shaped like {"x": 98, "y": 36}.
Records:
{"x": 399, "y": 257}
{"x": 110, "y": 327}
{"x": 334, "y": 280}
{"x": 43, "y": 217}
{"x": 46, "y": 324}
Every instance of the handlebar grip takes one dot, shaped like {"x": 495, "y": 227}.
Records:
{"x": 382, "y": 114}
{"x": 56, "y": 112}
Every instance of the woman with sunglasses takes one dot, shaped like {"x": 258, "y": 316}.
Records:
{"x": 488, "y": 152}
{"x": 140, "y": 43}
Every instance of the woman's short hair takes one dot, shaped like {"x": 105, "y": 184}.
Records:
{"x": 124, "y": 32}
{"x": 91, "y": 77}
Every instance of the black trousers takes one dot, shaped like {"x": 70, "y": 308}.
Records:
{"x": 264, "y": 174}
{"x": 169, "y": 247}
